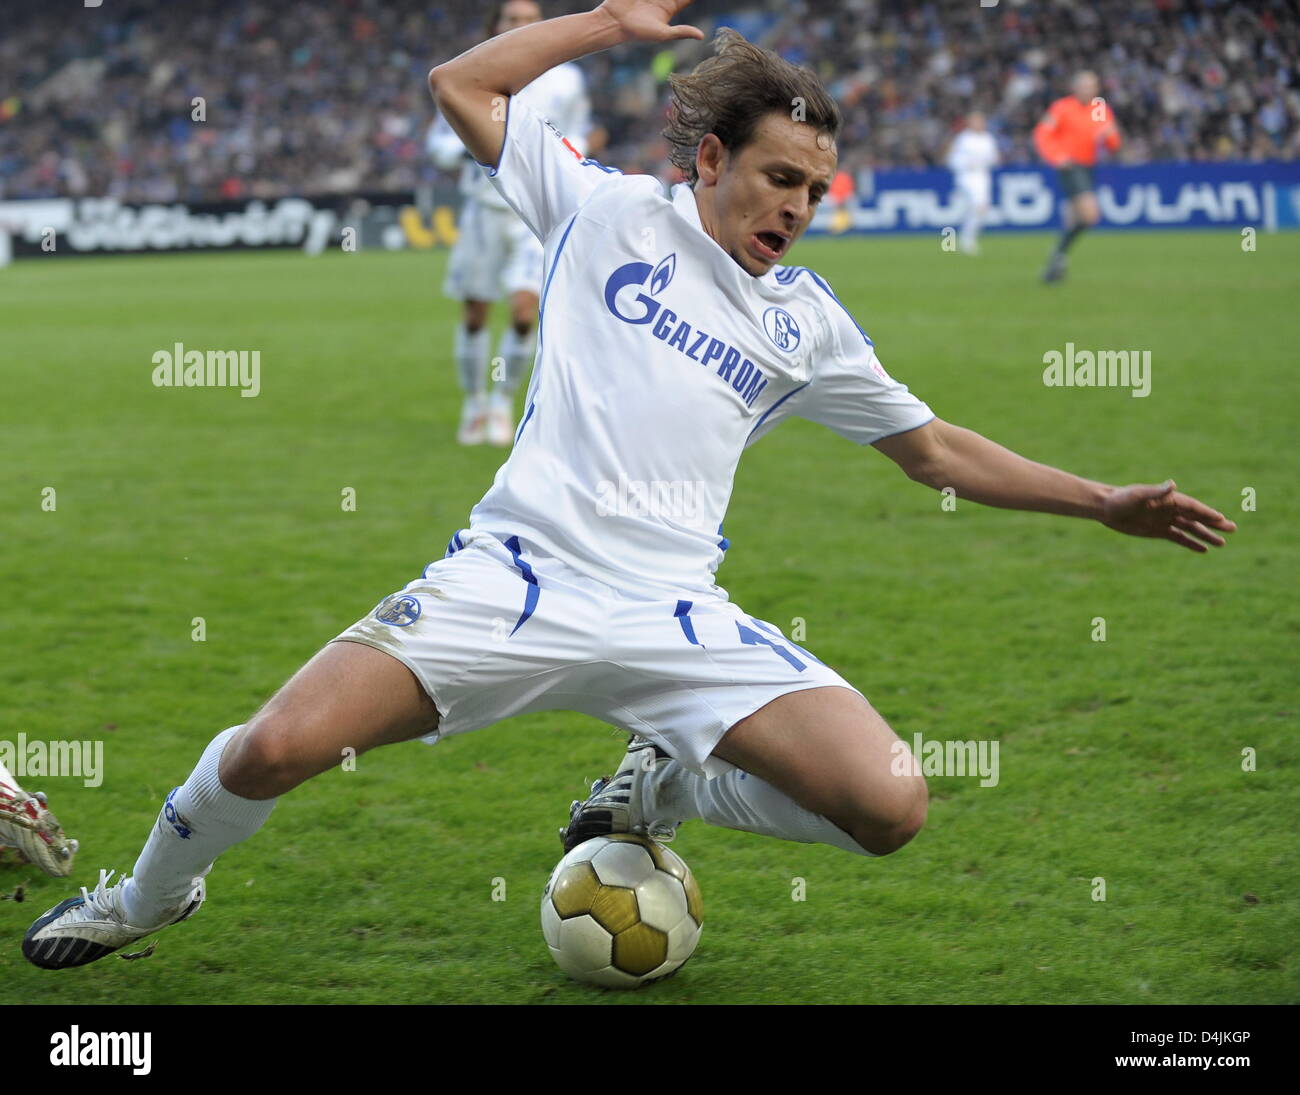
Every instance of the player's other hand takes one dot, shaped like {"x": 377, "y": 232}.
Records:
{"x": 648, "y": 20}
{"x": 1162, "y": 513}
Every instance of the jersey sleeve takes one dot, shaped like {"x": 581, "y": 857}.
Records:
{"x": 540, "y": 174}
{"x": 851, "y": 393}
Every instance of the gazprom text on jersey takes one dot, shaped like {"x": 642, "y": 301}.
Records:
{"x": 733, "y": 367}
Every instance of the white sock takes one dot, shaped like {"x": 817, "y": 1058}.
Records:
{"x": 200, "y": 820}
{"x": 518, "y": 354}
{"x": 737, "y": 800}
{"x": 472, "y": 359}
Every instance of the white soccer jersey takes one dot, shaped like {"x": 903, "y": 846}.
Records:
{"x": 559, "y": 95}
{"x": 659, "y": 360}
{"x": 971, "y": 151}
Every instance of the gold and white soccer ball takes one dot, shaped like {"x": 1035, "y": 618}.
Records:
{"x": 621, "y": 911}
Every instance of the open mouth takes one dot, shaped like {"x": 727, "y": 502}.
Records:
{"x": 771, "y": 245}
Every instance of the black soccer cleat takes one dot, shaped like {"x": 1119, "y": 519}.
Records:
{"x": 86, "y": 928}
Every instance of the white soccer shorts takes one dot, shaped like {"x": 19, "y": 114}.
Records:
{"x": 494, "y": 253}
{"x": 976, "y": 188}
{"x": 496, "y": 629}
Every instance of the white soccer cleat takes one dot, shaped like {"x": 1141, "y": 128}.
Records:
{"x": 473, "y": 422}
{"x": 500, "y": 423}
{"x": 27, "y": 824}
{"x": 83, "y": 929}
{"x": 618, "y": 803}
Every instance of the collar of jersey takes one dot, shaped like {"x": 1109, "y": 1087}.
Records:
{"x": 684, "y": 203}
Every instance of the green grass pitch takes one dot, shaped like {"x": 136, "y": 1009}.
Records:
{"x": 1120, "y": 760}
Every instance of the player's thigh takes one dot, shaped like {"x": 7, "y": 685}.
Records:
{"x": 1086, "y": 210}
{"x": 832, "y": 752}
{"x": 349, "y": 697}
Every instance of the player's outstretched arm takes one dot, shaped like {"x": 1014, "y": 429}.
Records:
{"x": 470, "y": 89}
{"x": 1045, "y": 138}
{"x": 1110, "y": 135}
{"x": 941, "y": 455}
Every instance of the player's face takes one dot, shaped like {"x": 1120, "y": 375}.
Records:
{"x": 518, "y": 13}
{"x": 1086, "y": 86}
{"x": 761, "y": 199}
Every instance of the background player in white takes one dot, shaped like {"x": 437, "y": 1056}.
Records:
{"x": 27, "y": 825}
{"x": 971, "y": 159}
{"x": 495, "y": 252}
{"x": 679, "y": 342}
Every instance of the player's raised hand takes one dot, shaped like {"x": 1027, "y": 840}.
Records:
{"x": 1162, "y": 513}
{"x": 649, "y": 20}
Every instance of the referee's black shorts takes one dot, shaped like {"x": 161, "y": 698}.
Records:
{"x": 1076, "y": 179}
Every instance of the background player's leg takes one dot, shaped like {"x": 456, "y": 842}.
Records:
{"x": 521, "y": 280}
{"x": 981, "y": 200}
{"x": 818, "y": 766}
{"x": 1086, "y": 210}
{"x": 516, "y": 350}
{"x": 472, "y": 344}
{"x": 969, "y": 235}
{"x": 1082, "y": 213}
{"x": 349, "y": 696}
{"x": 517, "y": 343}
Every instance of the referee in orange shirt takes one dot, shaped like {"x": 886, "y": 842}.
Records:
{"x": 1067, "y": 139}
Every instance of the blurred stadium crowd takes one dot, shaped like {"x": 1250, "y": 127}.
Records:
{"x": 321, "y": 96}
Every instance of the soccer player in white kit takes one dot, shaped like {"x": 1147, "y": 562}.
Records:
{"x": 971, "y": 158}
{"x": 495, "y": 252}
{"x": 671, "y": 338}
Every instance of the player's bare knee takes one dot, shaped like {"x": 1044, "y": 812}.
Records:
{"x": 261, "y": 762}
{"x": 885, "y": 840}
{"x": 884, "y": 832}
